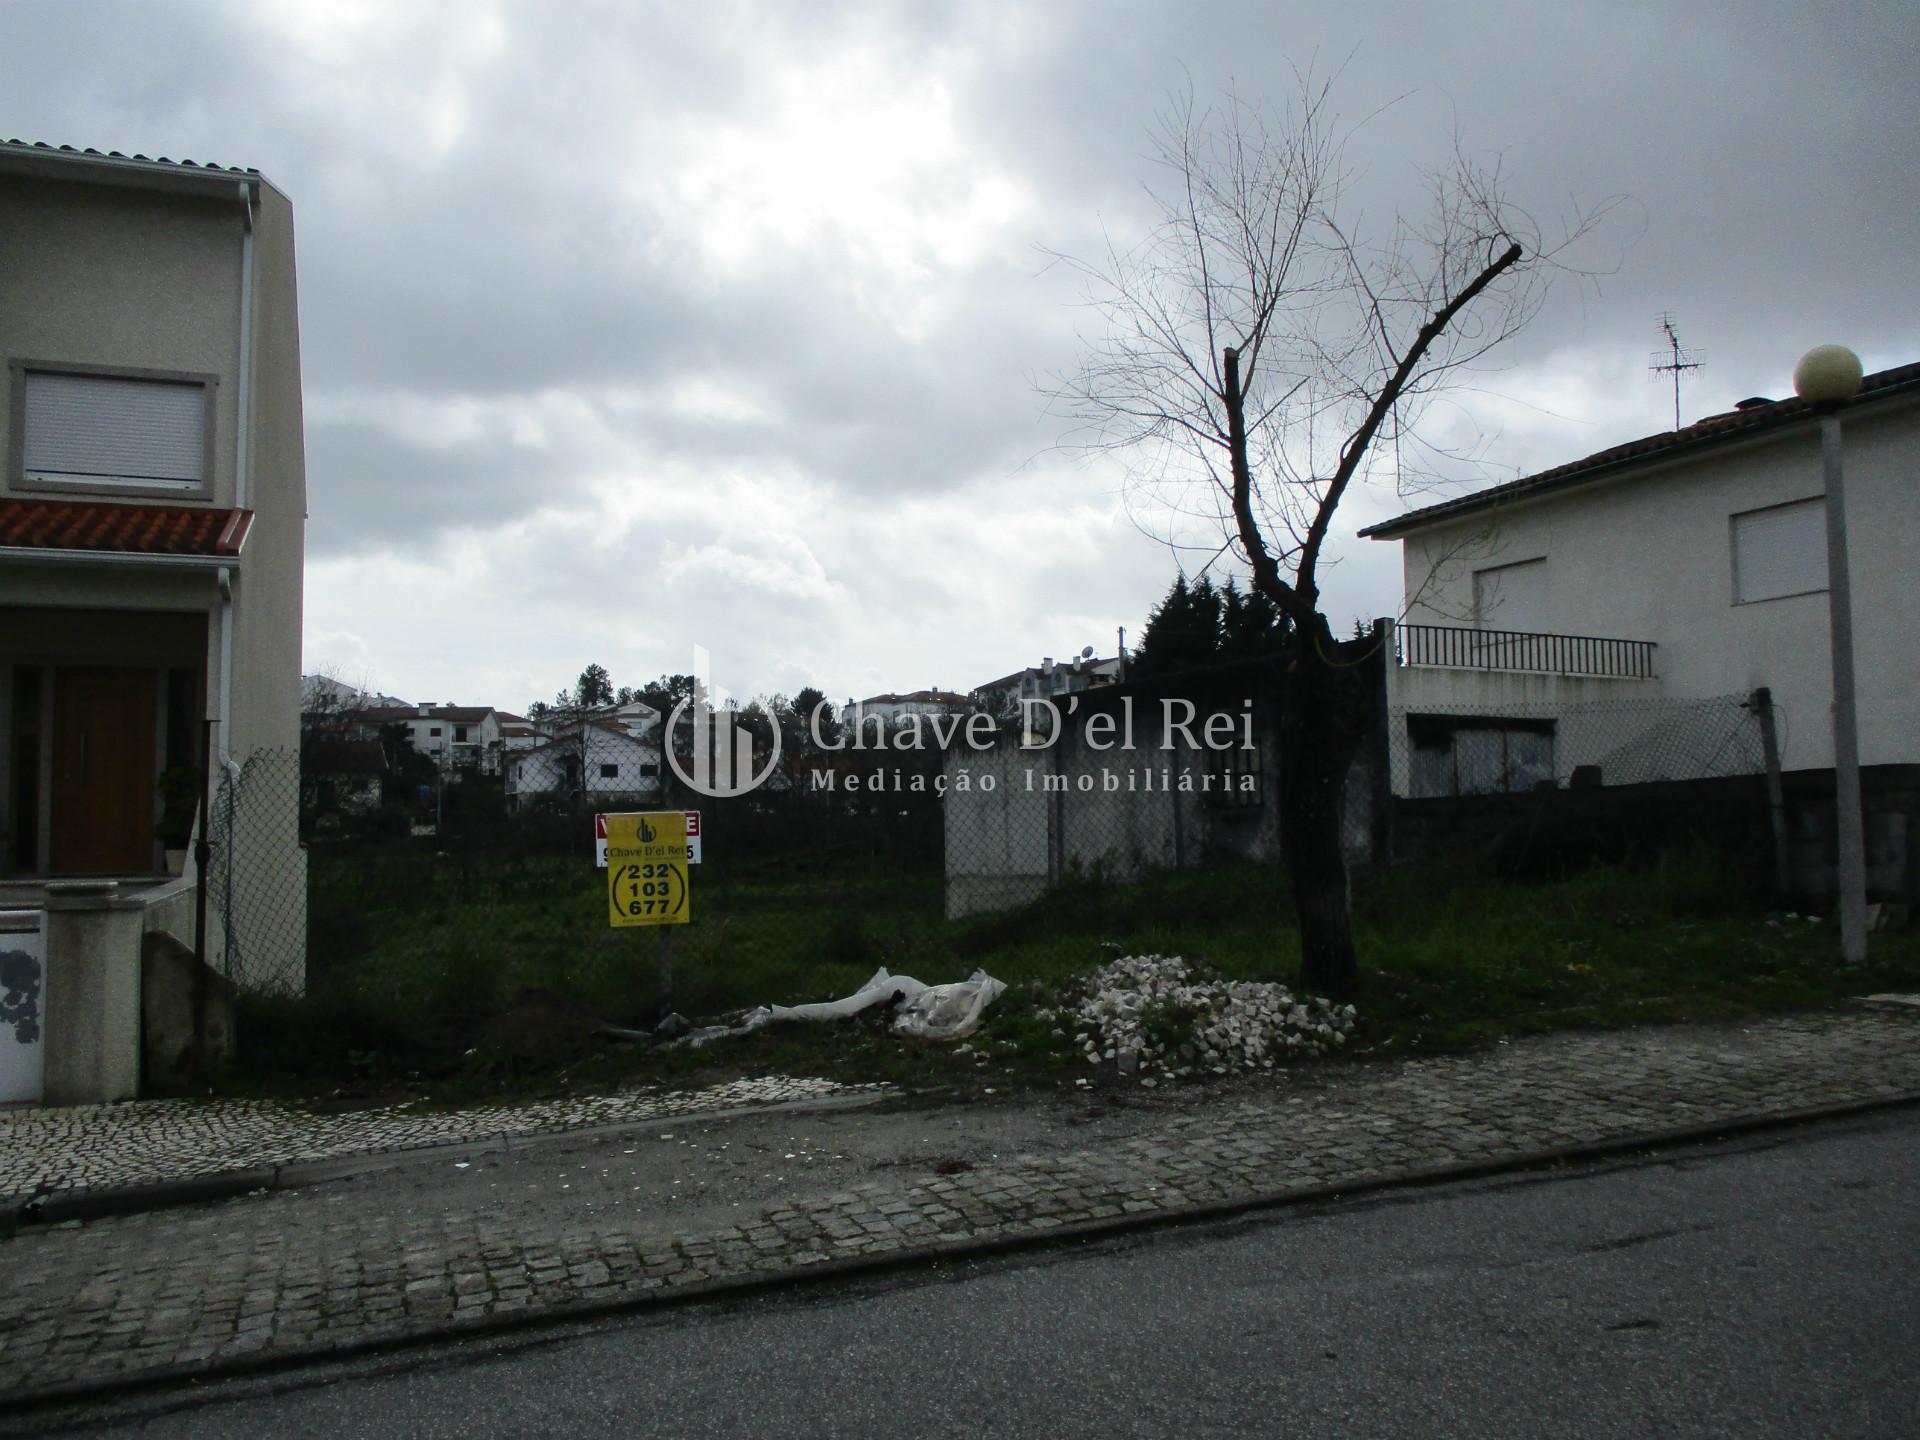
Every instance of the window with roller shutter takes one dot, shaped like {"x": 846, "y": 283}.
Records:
{"x": 1780, "y": 551}
{"x": 89, "y": 429}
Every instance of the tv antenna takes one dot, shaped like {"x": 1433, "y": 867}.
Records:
{"x": 1673, "y": 360}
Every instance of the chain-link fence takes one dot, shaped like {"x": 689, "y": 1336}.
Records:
{"x": 445, "y": 897}
{"x": 257, "y": 901}
{"x": 421, "y": 896}
{"x": 1517, "y": 748}
{"x": 1530, "y": 787}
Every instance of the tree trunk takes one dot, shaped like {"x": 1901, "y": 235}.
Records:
{"x": 1324, "y": 716}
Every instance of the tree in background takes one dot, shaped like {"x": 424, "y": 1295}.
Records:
{"x": 1199, "y": 623}
{"x": 594, "y": 687}
{"x": 1265, "y": 349}
{"x": 666, "y": 693}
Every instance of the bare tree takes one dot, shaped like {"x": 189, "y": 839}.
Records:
{"x": 1262, "y": 352}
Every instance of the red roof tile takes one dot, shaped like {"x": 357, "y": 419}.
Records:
{"x": 124, "y": 529}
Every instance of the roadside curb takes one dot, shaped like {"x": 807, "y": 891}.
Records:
{"x": 97, "y": 1203}
{"x": 965, "y": 1247}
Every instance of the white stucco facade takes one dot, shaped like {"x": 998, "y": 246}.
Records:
{"x": 1644, "y": 550}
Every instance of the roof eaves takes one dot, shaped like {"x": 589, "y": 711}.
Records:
{"x": 114, "y": 167}
{"x": 1732, "y": 427}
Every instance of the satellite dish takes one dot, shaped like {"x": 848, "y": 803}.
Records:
{"x": 1086, "y": 652}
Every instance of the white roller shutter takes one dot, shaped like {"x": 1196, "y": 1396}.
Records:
{"x": 1511, "y": 597}
{"x": 1779, "y": 551}
{"x": 109, "y": 430}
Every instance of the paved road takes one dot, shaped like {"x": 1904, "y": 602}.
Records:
{"x": 417, "y": 1253}
{"x": 1766, "y": 1288}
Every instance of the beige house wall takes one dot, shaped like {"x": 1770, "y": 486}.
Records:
{"x": 1649, "y": 556}
{"x": 138, "y": 267}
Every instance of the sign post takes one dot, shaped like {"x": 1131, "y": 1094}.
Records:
{"x": 647, "y": 880}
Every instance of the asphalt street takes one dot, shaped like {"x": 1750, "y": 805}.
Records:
{"x": 1761, "y": 1288}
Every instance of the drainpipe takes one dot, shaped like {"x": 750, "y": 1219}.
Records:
{"x": 224, "y": 710}
{"x": 245, "y": 390}
{"x": 232, "y": 771}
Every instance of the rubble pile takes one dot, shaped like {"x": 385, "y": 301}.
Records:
{"x": 1157, "y": 1012}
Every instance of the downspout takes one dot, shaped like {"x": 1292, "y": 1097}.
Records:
{"x": 227, "y": 766}
{"x": 245, "y": 390}
{"x": 243, "y": 405}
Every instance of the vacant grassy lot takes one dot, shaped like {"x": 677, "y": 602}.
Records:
{"x": 475, "y": 977}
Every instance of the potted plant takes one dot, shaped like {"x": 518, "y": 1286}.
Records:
{"x": 180, "y": 788}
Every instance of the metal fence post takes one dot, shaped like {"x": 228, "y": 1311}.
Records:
{"x": 1761, "y": 703}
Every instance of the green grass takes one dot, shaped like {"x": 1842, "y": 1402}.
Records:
{"x": 494, "y": 980}
{"x": 1679, "y": 940}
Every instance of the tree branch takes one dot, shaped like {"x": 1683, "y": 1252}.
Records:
{"x": 1355, "y": 450}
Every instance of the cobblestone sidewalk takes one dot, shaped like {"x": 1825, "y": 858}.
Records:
{"x": 99, "y": 1147}
{"x": 186, "y": 1290}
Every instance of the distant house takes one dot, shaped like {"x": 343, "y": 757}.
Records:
{"x": 600, "y": 759}
{"x": 1677, "y": 568}
{"x": 455, "y": 737}
{"x": 323, "y": 697}
{"x": 1048, "y": 681}
{"x": 518, "y": 735}
{"x": 889, "y": 707}
{"x": 152, "y": 524}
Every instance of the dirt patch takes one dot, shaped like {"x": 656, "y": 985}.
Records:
{"x": 536, "y": 1032}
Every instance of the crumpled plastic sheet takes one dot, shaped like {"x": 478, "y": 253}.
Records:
{"x": 926, "y": 1012}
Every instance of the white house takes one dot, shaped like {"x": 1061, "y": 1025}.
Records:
{"x": 608, "y": 757}
{"x": 1676, "y": 568}
{"x": 892, "y": 706}
{"x": 1049, "y": 680}
{"x": 454, "y": 737}
{"x": 152, "y": 527}
{"x": 517, "y": 735}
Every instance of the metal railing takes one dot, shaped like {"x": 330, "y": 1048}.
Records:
{"x": 1457, "y": 647}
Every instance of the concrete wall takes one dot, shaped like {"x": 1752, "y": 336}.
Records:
{"x": 998, "y": 831}
{"x": 1075, "y": 811}
{"x": 1648, "y": 556}
{"x": 1633, "y": 730}
{"x": 93, "y": 999}
{"x": 267, "y": 602}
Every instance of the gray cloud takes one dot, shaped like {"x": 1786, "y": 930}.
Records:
{"x": 788, "y": 261}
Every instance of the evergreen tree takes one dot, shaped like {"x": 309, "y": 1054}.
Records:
{"x": 593, "y": 687}
{"x": 1201, "y": 624}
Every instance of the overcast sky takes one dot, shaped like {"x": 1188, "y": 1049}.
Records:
{"x": 633, "y": 326}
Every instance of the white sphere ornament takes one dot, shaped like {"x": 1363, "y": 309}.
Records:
{"x": 1827, "y": 374}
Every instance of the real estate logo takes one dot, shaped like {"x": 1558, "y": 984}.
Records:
{"x": 719, "y": 759}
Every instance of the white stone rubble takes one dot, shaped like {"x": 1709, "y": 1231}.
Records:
{"x": 1224, "y": 1025}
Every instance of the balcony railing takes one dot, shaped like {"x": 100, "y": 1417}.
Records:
{"x": 1456, "y": 647}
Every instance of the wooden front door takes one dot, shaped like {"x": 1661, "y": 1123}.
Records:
{"x": 103, "y": 776}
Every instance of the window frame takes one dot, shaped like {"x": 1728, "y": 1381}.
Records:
{"x": 19, "y": 368}
{"x": 1430, "y": 732}
{"x": 1817, "y": 505}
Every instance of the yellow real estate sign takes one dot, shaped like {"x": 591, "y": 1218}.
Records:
{"x": 647, "y": 868}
